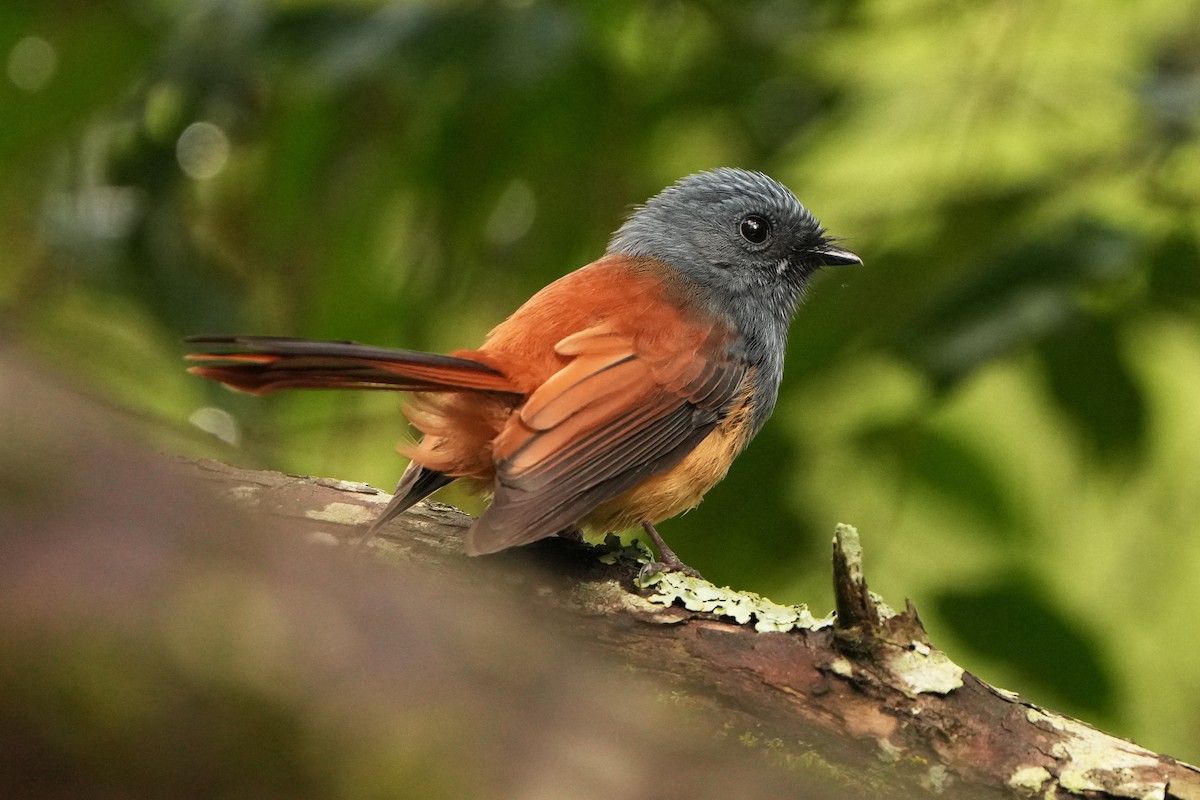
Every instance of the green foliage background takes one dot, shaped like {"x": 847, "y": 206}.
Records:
{"x": 1004, "y": 399}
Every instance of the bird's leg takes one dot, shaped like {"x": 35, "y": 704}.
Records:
{"x": 669, "y": 559}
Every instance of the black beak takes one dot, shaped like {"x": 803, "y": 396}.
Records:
{"x": 831, "y": 256}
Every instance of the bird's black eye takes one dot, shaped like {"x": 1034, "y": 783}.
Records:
{"x": 754, "y": 229}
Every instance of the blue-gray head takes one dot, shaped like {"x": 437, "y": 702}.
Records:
{"x": 735, "y": 233}
{"x": 747, "y": 246}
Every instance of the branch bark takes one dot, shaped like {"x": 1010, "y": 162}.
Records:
{"x": 864, "y": 691}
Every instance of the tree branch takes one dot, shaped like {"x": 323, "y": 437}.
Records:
{"x": 865, "y": 690}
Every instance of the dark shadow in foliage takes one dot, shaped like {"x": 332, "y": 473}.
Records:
{"x": 1012, "y": 619}
{"x": 1175, "y": 272}
{"x": 1031, "y": 295}
{"x": 948, "y": 467}
{"x": 1088, "y": 378}
{"x": 1020, "y": 295}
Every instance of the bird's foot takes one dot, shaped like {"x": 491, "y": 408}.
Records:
{"x": 668, "y": 561}
{"x": 651, "y": 567}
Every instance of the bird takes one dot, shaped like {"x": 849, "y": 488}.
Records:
{"x": 614, "y": 397}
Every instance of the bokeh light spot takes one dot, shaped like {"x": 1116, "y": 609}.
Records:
{"x": 513, "y": 215}
{"x": 32, "y": 63}
{"x": 202, "y": 150}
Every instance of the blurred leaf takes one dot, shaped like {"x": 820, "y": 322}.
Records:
{"x": 948, "y": 467}
{"x": 1014, "y": 297}
{"x": 1088, "y": 378}
{"x": 1175, "y": 272}
{"x": 1015, "y": 621}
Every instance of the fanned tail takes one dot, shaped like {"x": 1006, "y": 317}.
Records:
{"x": 263, "y": 364}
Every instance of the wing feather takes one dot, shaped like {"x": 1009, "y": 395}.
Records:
{"x": 620, "y": 411}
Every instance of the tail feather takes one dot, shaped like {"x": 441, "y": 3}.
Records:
{"x": 415, "y": 485}
{"x": 264, "y": 364}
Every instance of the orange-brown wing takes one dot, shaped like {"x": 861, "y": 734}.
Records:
{"x": 619, "y": 412}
